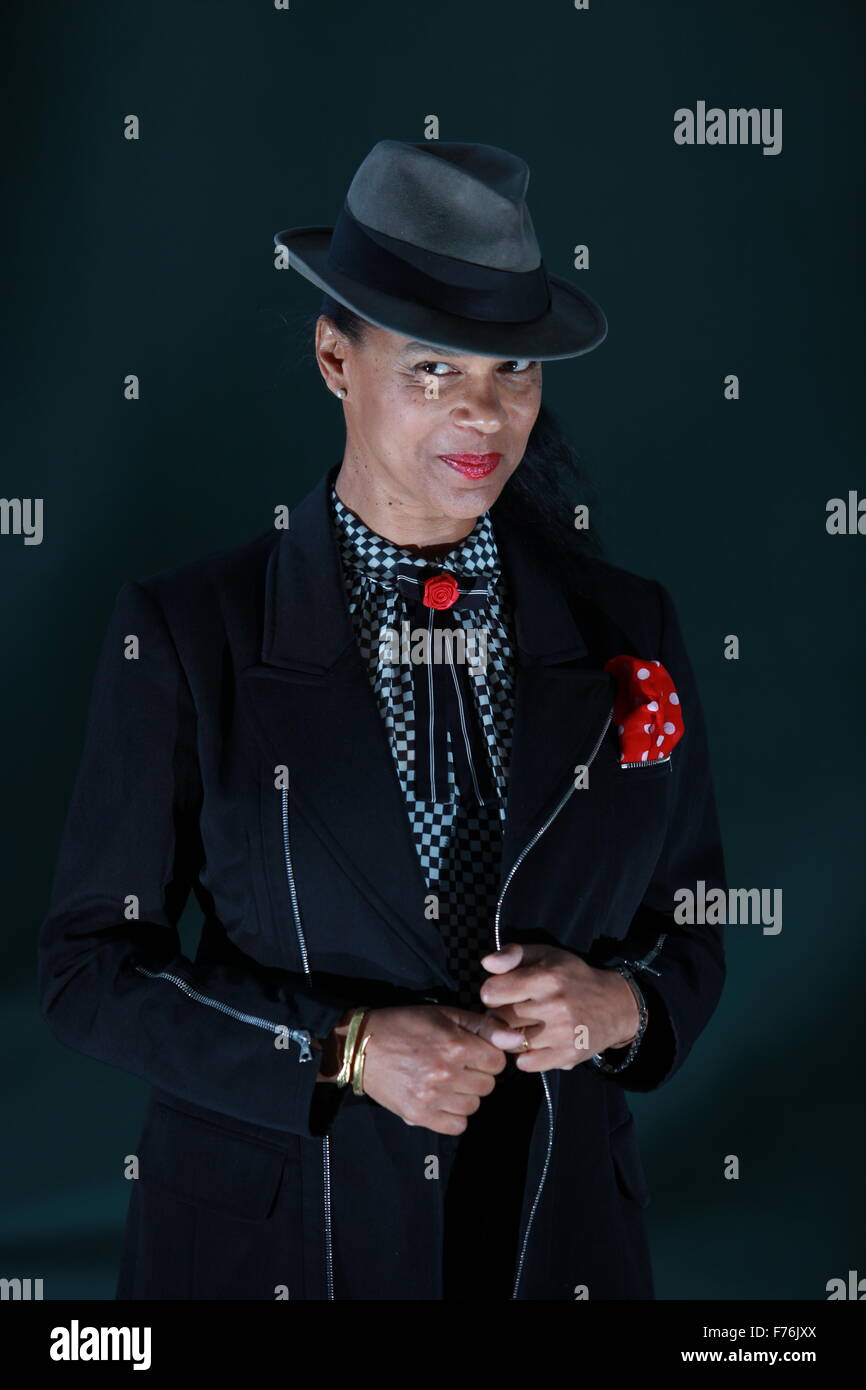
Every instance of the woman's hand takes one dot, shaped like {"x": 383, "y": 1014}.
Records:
{"x": 567, "y": 1009}
{"x": 431, "y": 1064}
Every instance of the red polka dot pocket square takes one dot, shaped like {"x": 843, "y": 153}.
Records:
{"x": 646, "y": 710}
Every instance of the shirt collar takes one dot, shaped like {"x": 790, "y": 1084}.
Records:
{"x": 365, "y": 552}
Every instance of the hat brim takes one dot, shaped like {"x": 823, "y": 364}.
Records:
{"x": 573, "y": 324}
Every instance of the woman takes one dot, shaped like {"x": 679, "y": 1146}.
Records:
{"x": 434, "y": 772}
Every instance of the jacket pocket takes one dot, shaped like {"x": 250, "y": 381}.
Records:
{"x": 643, "y": 772}
{"x": 627, "y": 1164}
{"x": 211, "y": 1166}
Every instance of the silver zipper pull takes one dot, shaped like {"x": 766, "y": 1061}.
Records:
{"x": 302, "y": 1038}
{"x": 639, "y": 965}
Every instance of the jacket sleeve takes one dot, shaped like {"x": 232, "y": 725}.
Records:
{"x": 230, "y": 1035}
{"x": 680, "y": 968}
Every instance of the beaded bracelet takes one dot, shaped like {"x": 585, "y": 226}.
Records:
{"x": 598, "y": 1057}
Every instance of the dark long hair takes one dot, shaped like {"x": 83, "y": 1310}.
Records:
{"x": 541, "y": 495}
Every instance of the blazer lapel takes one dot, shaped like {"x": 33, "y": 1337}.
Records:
{"x": 317, "y": 714}
{"x": 561, "y": 695}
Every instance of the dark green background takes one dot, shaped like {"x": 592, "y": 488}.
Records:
{"x": 155, "y": 258}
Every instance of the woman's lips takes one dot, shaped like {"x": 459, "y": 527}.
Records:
{"x": 472, "y": 465}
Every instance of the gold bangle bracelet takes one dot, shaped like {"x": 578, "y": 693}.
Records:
{"x": 345, "y": 1073}
{"x": 358, "y": 1067}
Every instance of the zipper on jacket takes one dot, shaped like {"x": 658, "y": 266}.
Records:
{"x": 644, "y": 962}
{"x": 302, "y": 946}
{"x": 298, "y": 1035}
{"x": 549, "y": 1100}
{"x": 326, "y": 1187}
{"x": 645, "y": 762}
{"x": 290, "y": 877}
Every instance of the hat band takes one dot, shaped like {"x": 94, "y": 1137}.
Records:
{"x": 440, "y": 282}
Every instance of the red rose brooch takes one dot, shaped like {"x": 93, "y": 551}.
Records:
{"x": 646, "y": 710}
{"x": 442, "y": 591}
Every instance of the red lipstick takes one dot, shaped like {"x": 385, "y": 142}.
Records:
{"x": 472, "y": 465}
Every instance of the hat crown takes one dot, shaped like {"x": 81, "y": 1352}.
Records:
{"x": 471, "y": 197}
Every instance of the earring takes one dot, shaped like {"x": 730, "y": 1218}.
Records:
{"x": 341, "y": 393}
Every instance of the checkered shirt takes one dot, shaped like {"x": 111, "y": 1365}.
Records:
{"x": 459, "y": 844}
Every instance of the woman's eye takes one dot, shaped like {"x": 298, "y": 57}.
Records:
{"x": 427, "y": 367}
{"x": 522, "y": 364}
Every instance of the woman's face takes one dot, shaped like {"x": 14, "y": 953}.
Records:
{"x": 408, "y": 404}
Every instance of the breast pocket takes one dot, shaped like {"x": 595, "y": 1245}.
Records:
{"x": 635, "y": 774}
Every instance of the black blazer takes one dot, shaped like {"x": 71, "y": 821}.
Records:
{"x": 242, "y": 756}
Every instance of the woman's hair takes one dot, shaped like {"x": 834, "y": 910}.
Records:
{"x": 541, "y": 495}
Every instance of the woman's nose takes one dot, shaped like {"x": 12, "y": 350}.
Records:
{"x": 480, "y": 408}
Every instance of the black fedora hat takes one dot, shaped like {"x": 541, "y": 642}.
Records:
{"x": 435, "y": 241}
